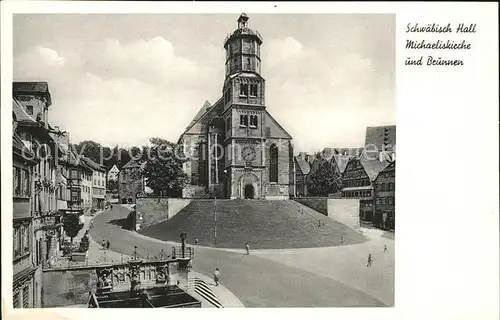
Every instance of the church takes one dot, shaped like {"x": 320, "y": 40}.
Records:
{"x": 234, "y": 148}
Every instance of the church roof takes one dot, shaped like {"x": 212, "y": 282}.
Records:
{"x": 200, "y": 113}
{"x": 278, "y": 124}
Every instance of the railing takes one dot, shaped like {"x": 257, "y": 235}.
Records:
{"x": 177, "y": 252}
{"x": 200, "y": 287}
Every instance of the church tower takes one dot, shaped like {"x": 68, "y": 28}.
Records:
{"x": 240, "y": 151}
{"x": 244, "y": 113}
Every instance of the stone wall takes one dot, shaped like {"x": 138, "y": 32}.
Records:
{"x": 67, "y": 287}
{"x": 193, "y": 191}
{"x": 345, "y": 211}
{"x": 319, "y": 204}
{"x": 155, "y": 210}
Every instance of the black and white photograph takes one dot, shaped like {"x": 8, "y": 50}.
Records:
{"x": 204, "y": 160}
{"x": 230, "y": 157}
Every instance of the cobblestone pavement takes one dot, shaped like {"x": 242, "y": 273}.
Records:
{"x": 323, "y": 277}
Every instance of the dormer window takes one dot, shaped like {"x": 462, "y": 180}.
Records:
{"x": 244, "y": 89}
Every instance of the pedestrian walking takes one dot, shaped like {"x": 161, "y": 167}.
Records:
{"x": 217, "y": 276}
{"x": 342, "y": 239}
{"x": 247, "y": 248}
{"x": 91, "y": 224}
{"x": 108, "y": 244}
{"x": 370, "y": 260}
{"x": 196, "y": 241}
{"x": 385, "y": 248}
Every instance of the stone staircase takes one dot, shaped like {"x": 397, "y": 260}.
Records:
{"x": 264, "y": 224}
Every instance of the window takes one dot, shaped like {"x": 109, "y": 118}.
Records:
{"x": 243, "y": 120}
{"x": 253, "y": 90}
{"x": 273, "y": 164}
{"x": 248, "y": 64}
{"x": 29, "y": 110}
{"x": 389, "y": 200}
{"x": 228, "y": 124}
{"x": 26, "y": 296}
{"x": 253, "y": 121}
{"x": 21, "y": 241}
{"x": 16, "y": 300}
{"x": 244, "y": 89}
{"x": 17, "y": 181}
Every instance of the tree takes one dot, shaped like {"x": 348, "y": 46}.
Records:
{"x": 163, "y": 169}
{"x": 72, "y": 225}
{"x": 112, "y": 186}
{"x": 325, "y": 179}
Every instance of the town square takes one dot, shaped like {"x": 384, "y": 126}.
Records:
{"x": 132, "y": 189}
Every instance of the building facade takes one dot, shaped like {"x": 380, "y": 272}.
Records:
{"x": 37, "y": 227}
{"x": 26, "y": 285}
{"x": 130, "y": 181}
{"x": 113, "y": 173}
{"x": 98, "y": 187}
{"x": 235, "y": 148}
{"x": 301, "y": 169}
{"x": 86, "y": 185}
{"x": 385, "y": 200}
{"x": 358, "y": 180}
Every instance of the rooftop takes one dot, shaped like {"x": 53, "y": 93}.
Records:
{"x": 32, "y": 87}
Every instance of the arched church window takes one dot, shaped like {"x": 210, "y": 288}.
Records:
{"x": 273, "y": 164}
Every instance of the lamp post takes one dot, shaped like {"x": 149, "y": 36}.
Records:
{"x": 183, "y": 243}
{"x": 215, "y": 220}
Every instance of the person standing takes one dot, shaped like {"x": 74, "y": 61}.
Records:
{"x": 217, "y": 276}
{"x": 91, "y": 224}
{"x": 196, "y": 241}
{"x": 108, "y": 243}
{"x": 385, "y": 248}
{"x": 103, "y": 244}
{"x": 342, "y": 239}
{"x": 370, "y": 260}
{"x": 247, "y": 248}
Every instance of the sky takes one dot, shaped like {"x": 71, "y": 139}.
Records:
{"x": 121, "y": 79}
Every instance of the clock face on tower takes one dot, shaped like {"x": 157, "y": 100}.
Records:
{"x": 248, "y": 153}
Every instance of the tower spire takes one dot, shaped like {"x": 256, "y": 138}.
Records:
{"x": 242, "y": 21}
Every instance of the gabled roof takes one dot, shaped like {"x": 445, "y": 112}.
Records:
{"x": 278, "y": 125}
{"x": 21, "y": 115}
{"x": 341, "y": 161}
{"x": 114, "y": 168}
{"x": 131, "y": 165}
{"x": 372, "y": 165}
{"x": 303, "y": 165}
{"x": 95, "y": 166}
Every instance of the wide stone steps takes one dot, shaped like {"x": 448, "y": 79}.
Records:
{"x": 263, "y": 223}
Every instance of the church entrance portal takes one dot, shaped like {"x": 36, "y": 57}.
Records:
{"x": 249, "y": 191}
